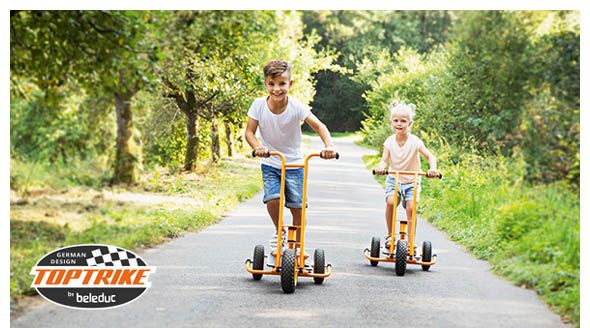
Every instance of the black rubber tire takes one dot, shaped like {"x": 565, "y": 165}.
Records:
{"x": 401, "y": 257}
{"x": 426, "y": 254}
{"x": 288, "y": 281}
{"x": 258, "y": 261}
{"x": 319, "y": 265}
{"x": 375, "y": 249}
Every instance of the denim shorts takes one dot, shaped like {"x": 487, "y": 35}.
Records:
{"x": 405, "y": 190}
{"x": 271, "y": 178}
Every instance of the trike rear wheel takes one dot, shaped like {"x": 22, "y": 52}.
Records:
{"x": 319, "y": 265}
{"x": 426, "y": 254}
{"x": 258, "y": 261}
{"x": 375, "y": 248}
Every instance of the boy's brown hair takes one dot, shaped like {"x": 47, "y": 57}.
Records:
{"x": 277, "y": 67}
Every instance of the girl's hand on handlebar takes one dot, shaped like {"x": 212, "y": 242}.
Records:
{"x": 380, "y": 170}
{"x": 261, "y": 151}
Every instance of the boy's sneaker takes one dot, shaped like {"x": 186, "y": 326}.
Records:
{"x": 271, "y": 260}
{"x": 306, "y": 261}
{"x": 274, "y": 241}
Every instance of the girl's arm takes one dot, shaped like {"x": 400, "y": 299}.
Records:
{"x": 384, "y": 160}
{"x": 431, "y": 161}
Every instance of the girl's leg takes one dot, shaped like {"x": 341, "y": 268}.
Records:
{"x": 389, "y": 208}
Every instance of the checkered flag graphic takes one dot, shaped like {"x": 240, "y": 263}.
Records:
{"x": 111, "y": 256}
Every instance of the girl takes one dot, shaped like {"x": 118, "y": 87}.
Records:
{"x": 400, "y": 152}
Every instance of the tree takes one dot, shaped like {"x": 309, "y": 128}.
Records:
{"x": 213, "y": 56}
{"x": 111, "y": 51}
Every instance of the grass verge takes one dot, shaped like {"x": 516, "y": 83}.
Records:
{"x": 161, "y": 206}
{"x": 529, "y": 234}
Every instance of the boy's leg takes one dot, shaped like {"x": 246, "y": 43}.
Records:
{"x": 296, "y": 213}
{"x": 271, "y": 178}
{"x": 294, "y": 197}
{"x": 272, "y": 207}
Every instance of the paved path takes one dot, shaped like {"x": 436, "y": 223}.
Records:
{"x": 201, "y": 280}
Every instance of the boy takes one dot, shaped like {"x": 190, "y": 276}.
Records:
{"x": 279, "y": 118}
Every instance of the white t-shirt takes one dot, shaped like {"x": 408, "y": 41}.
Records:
{"x": 282, "y": 132}
{"x": 406, "y": 158}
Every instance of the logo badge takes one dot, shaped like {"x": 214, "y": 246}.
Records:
{"x": 91, "y": 276}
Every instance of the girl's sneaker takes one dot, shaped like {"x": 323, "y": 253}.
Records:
{"x": 306, "y": 262}
{"x": 387, "y": 241}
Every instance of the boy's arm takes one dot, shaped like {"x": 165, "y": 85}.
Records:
{"x": 431, "y": 161}
{"x": 321, "y": 129}
{"x": 250, "y": 135}
{"x": 382, "y": 167}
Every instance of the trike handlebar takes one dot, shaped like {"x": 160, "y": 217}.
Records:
{"x": 268, "y": 154}
{"x": 410, "y": 173}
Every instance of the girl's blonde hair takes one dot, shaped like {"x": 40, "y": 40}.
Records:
{"x": 400, "y": 108}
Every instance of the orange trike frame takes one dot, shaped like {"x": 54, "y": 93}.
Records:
{"x": 292, "y": 229}
{"x": 403, "y": 223}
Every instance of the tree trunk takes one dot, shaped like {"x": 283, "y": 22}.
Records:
{"x": 215, "y": 149}
{"x": 192, "y": 140}
{"x": 228, "y": 139}
{"x": 124, "y": 160}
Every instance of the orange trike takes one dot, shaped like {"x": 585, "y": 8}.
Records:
{"x": 290, "y": 263}
{"x": 399, "y": 251}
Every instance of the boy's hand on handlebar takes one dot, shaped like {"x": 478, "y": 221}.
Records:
{"x": 328, "y": 153}
{"x": 261, "y": 151}
{"x": 432, "y": 174}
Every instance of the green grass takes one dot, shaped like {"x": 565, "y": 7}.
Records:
{"x": 213, "y": 191}
{"x": 529, "y": 234}
{"x": 26, "y": 176}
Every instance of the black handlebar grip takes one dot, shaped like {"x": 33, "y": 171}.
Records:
{"x": 386, "y": 172}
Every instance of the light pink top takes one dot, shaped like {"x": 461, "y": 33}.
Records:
{"x": 406, "y": 158}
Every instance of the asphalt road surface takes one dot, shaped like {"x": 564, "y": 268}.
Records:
{"x": 201, "y": 279}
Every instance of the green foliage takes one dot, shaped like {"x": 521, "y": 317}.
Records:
{"x": 550, "y": 129}
{"x": 483, "y": 90}
{"x": 363, "y": 37}
{"x": 407, "y": 81}
{"x": 73, "y": 129}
